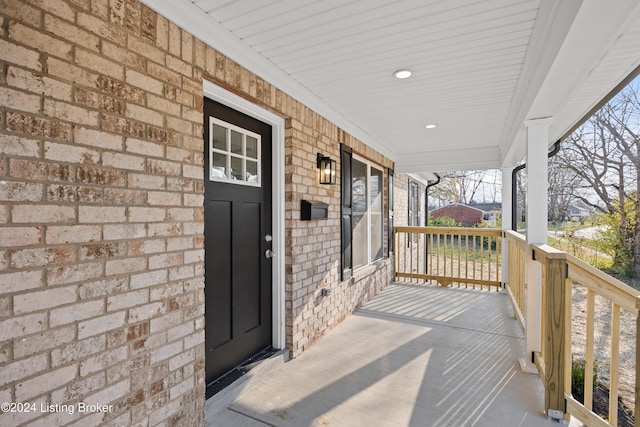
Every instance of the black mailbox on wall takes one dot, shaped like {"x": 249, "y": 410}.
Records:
{"x": 313, "y": 210}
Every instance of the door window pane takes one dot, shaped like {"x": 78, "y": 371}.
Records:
{"x": 234, "y": 154}
{"x": 252, "y": 147}
{"x": 236, "y": 168}
{"x": 219, "y": 166}
{"x": 236, "y": 142}
{"x": 252, "y": 171}
{"x": 219, "y": 137}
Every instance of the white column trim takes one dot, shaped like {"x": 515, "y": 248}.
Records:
{"x": 537, "y": 132}
{"x": 238, "y": 103}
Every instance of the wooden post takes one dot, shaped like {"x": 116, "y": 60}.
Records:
{"x": 557, "y": 329}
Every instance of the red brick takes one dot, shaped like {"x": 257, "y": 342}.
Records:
{"x": 41, "y": 171}
{"x": 46, "y": 299}
{"x": 92, "y": 61}
{"x": 70, "y": 153}
{"x": 73, "y": 234}
{"x": 25, "y": 258}
{"x": 118, "y": 196}
{"x": 102, "y": 28}
{"x": 66, "y": 30}
{"x": 60, "y": 9}
{"x": 18, "y": 100}
{"x": 42, "y": 214}
{"x": 144, "y": 147}
{"x": 68, "y": 72}
{"x": 122, "y": 126}
{"x": 98, "y": 101}
{"x": 74, "y": 194}
{"x": 101, "y": 214}
{"x": 103, "y": 251}
{"x": 37, "y": 126}
{"x": 20, "y": 281}
{"x": 22, "y": 11}
{"x": 101, "y": 176}
{"x": 33, "y": 38}
{"x": 18, "y": 146}
{"x": 36, "y": 83}
{"x": 20, "y": 191}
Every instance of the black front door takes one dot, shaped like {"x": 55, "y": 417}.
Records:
{"x": 237, "y": 230}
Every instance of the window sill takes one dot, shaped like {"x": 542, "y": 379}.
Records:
{"x": 367, "y": 270}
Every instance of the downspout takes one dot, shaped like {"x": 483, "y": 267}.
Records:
{"x": 514, "y": 186}
{"x": 426, "y": 216}
{"x": 426, "y": 198}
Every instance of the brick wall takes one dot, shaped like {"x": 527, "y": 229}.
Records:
{"x": 401, "y": 199}
{"x": 101, "y": 218}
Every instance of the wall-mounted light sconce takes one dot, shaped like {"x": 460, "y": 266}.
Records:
{"x": 327, "y": 168}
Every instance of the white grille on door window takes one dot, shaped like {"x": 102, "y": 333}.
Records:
{"x": 234, "y": 154}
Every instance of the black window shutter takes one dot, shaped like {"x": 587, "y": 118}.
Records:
{"x": 390, "y": 228}
{"x": 346, "y": 258}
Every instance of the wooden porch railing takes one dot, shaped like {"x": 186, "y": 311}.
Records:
{"x": 516, "y": 281}
{"x": 571, "y": 289}
{"x": 448, "y": 255}
{"x": 562, "y": 276}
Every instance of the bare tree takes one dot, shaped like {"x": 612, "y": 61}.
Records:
{"x": 603, "y": 155}
{"x": 562, "y": 182}
{"x": 459, "y": 186}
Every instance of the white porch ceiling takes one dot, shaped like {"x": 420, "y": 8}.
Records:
{"x": 480, "y": 67}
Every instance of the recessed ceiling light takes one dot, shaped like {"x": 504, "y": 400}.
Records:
{"x": 430, "y": 126}
{"x": 402, "y": 74}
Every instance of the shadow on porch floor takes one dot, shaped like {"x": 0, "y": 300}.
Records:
{"x": 413, "y": 356}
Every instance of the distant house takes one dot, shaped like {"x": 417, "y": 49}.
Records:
{"x": 491, "y": 211}
{"x": 469, "y": 215}
{"x": 463, "y": 214}
{"x": 578, "y": 212}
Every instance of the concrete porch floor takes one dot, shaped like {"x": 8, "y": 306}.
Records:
{"x": 414, "y": 355}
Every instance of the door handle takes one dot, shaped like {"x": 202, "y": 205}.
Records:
{"x": 269, "y": 253}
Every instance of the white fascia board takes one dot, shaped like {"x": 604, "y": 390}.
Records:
{"x": 191, "y": 18}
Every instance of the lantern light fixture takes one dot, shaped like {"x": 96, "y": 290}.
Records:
{"x": 327, "y": 168}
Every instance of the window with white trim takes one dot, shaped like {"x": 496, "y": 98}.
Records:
{"x": 367, "y": 212}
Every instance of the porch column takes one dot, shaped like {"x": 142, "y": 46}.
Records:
{"x": 537, "y": 131}
{"x": 507, "y": 204}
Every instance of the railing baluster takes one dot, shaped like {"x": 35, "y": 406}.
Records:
{"x": 615, "y": 364}
{"x": 481, "y": 258}
{"x": 430, "y": 254}
{"x": 466, "y": 261}
{"x": 405, "y": 246}
{"x": 588, "y": 366}
{"x": 459, "y": 256}
{"x": 445, "y": 253}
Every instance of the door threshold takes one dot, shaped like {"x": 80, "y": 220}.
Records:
{"x": 227, "y": 388}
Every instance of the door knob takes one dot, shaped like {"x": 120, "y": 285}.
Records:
{"x": 268, "y": 238}
{"x": 268, "y": 253}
